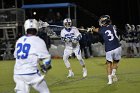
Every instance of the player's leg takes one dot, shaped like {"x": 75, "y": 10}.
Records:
{"x": 132, "y": 49}
{"x": 128, "y": 50}
{"x": 116, "y": 57}
{"x": 109, "y": 61}
{"x": 86, "y": 52}
{"x": 21, "y": 86}
{"x": 109, "y": 71}
{"x": 66, "y": 55}
{"x": 41, "y": 87}
{"x": 90, "y": 50}
{"x": 114, "y": 70}
{"x": 37, "y": 82}
{"x": 137, "y": 48}
{"x": 77, "y": 52}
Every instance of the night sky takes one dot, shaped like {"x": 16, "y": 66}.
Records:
{"x": 121, "y": 11}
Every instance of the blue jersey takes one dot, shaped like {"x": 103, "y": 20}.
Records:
{"x": 110, "y": 37}
{"x": 135, "y": 37}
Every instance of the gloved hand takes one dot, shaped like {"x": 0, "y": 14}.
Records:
{"x": 45, "y": 67}
{"x": 74, "y": 40}
{"x": 67, "y": 39}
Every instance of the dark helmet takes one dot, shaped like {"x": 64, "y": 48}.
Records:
{"x": 138, "y": 28}
{"x": 104, "y": 20}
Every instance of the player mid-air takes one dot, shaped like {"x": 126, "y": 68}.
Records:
{"x": 112, "y": 46}
{"x": 71, "y": 36}
{"x": 29, "y": 51}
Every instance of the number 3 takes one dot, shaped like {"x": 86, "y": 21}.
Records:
{"x": 23, "y": 50}
{"x": 110, "y": 35}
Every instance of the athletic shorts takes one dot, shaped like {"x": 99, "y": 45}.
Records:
{"x": 114, "y": 54}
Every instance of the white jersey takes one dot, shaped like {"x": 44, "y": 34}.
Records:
{"x": 28, "y": 51}
{"x": 72, "y": 33}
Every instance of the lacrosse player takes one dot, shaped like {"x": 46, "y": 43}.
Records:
{"x": 138, "y": 38}
{"x": 112, "y": 46}
{"x": 135, "y": 40}
{"x": 71, "y": 36}
{"x": 29, "y": 50}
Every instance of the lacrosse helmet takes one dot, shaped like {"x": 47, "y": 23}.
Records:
{"x": 133, "y": 27}
{"x": 127, "y": 27}
{"x": 104, "y": 20}
{"x": 31, "y": 24}
{"x": 138, "y": 28}
{"x": 67, "y": 23}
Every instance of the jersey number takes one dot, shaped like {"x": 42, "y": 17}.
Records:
{"x": 108, "y": 32}
{"x": 23, "y": 50}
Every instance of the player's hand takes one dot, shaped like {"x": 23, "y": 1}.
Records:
{"x": 45, "y": 68}
{"x": 92, "y": 28}
{"x": 67, "y": 39}
{"x": 74, "y": 40}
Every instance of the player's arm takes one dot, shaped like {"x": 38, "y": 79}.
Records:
{"x": 76, "y": 39}
{"x": 42, "y": 24}
{"x": 77, "y": 36}
{"x": 44, "y": 56}
{"x": 64, "y": 38}
{"x": 94, "y": 29}
{"x": 46, "y": 64}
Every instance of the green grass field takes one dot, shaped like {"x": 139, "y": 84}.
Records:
{"x": 96, "y": 82}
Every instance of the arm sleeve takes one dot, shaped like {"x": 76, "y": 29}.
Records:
{"x": 78, "y": 35}
{"x": 15, "y": 51}
{"x": 62, "y": 36}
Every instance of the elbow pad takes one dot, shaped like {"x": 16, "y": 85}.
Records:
{"x": 47, "y": 60}
{"x": 46, "y": 65}
{"x": 79, "y": 37}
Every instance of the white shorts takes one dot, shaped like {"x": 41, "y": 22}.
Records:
{"x": 23, "y": 83}
{"x": 114, "y": 54}
{"x": 129, "y": 45}
{"x": 136, "y": 45}
{"x": 76, "y": 51}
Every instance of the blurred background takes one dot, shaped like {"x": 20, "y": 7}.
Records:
{"x": 84, "y": 15}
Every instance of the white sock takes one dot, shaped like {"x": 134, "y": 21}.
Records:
{"x": 113, "y": 72}
{"x": 110, "y": 78}
{"x": 84, "y": 69}
{"x": 70, "y": 71}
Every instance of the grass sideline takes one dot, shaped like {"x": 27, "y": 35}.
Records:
{"x": 96, "y": 82}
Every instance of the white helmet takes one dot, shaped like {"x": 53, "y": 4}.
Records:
{"x": 133, "y": 27}
{"x": 138, "y": 28}
{"x": 67, "y": 23}
{"x": 30, "y": 23}
{"x": 128, "y": 27}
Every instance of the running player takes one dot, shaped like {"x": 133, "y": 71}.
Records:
{"x": 112, "y": 46}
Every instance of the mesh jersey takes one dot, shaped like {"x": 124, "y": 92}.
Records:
{"x": 73, "y": 32}
{"x": 28, "y": 50}
{"x": 110, "y": 37}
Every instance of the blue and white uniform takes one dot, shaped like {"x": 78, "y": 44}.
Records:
{"x": 71, "y": 37}
{"x": 28, "y": 51}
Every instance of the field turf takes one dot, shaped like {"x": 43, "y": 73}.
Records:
{"x": 96, "y": 81}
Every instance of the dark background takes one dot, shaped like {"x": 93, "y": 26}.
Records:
{"x": 121, "y": 11}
